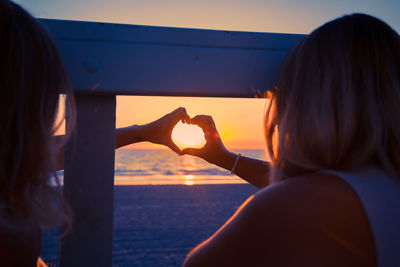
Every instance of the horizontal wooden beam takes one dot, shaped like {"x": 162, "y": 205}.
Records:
{"x": 105, "y": 58}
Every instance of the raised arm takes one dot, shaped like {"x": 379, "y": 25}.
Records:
{"x": 158, "y": 132}
{"x": 252, "y": 170}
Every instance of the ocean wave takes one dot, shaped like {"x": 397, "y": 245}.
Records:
{"x": 209, "y": 171}
{"x": 132, "y": 172}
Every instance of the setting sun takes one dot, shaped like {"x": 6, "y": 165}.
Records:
{"x": 188, "y": 135}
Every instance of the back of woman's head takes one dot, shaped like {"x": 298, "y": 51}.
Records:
{"x": 337, "y": 100}
{"x": 31, "y": 79}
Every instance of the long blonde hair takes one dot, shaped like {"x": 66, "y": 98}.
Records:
{"x": 31, "y": 78}
{"x": 337, "y": 100}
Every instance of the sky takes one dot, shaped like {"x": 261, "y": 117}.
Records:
{"x": 289, "y": 16}
{"x": 239, "y": 121}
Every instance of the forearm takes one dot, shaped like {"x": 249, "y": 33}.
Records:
{"x": 129, "y": 135}
{"x": 254, "y": 171}
{"x": 123, "y": 137}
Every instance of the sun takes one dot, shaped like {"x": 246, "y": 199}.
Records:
{"x": 188, "y": 135}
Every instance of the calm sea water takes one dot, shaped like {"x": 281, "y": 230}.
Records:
{"x": 156, "y": 167}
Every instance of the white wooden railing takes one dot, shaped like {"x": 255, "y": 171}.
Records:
{"x": 104, "y": 60}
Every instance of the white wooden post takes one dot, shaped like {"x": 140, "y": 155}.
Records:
{"x": 89, "y": 183}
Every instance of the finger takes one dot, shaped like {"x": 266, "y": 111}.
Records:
{"x": 191, "y": 151}
{"x": 205, "y": 122}
{"x": 178, "y": 110}
{"x": 184, "y": 116}
{"x": 174, "y": 148}
{"x": 181, "y": 114}
{"x": 202, "y": 119}
{"x": 211, "y": 136}
{"x": 174, "y": 112}
{"x": 199, "y": 120}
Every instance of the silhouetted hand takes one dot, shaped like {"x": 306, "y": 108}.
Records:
{"x": 159, "y": 131}
{"x": 214, "y": 150}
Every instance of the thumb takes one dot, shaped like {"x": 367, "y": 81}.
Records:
{"x": 191, "y": 151}
{"x": 174, "y": 148}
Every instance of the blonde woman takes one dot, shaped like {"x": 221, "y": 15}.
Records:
{"x": 331, "y": 194}
{"x": 31, "y": 78}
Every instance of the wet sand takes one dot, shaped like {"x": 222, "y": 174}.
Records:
{"x": 158, "y": 225}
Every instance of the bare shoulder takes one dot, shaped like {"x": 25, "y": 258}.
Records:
{"x": 313, "y": 220}
{"x": 317, "y": 218}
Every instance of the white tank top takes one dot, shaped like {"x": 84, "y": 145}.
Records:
{"x": 379, "y": 194}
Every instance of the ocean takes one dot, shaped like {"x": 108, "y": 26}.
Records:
{"x": 164, "y": 167}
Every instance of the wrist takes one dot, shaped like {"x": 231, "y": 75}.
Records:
{"x": 139, "y": 132}
{"x": 127, "y": 135}
{"x": 149, "y": 133}
{"x": 226, "y": 160}
{"x": 235, "y": 163}
{"x": 136, "y": 133}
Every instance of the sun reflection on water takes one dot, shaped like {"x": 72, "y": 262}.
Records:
{"x": 189, "y": 179}
{"x": 189, "y": 182}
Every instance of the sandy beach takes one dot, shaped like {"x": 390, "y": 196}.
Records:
{"x": 157, "y": 225}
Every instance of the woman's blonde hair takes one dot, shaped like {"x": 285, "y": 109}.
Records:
{"x": 31, "y": 79}
{"x": 337, "y": 100}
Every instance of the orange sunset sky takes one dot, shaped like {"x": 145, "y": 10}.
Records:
{"x": 239, "y": 121}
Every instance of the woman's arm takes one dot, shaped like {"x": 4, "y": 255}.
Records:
{"x": 158, "y": 132}
{"x": 300, "y": 221}
{"x": 253, "y": 171}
